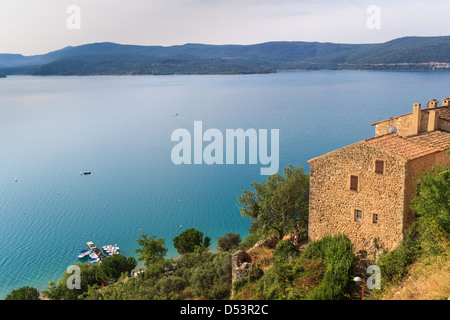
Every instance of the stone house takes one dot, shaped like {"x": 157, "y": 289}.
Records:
{"x": 364, "y": 190}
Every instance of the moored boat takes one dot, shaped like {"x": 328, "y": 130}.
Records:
{"x": 84, "y": 253}
{"x": 111, "y": 249}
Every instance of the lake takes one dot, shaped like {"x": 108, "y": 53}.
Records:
{"x": 119, "y": 128}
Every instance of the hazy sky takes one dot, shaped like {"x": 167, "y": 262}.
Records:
{"x": 39, "y": 26}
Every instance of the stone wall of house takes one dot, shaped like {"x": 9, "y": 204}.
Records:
{"x": 424, "y": 116}
{"x": 332, "y": 203}
{"x": 402, "y": 123}
{"x": 444, "y": 125}
{"x": 414, "y": 169}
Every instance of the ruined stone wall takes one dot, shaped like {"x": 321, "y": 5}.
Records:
{"x": 414, "y": 169}
{"x": 332, "y": 203}
{"x": 242, "y": 261}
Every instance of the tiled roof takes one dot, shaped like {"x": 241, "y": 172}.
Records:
{"x": 436, "y": 139}
{"x": 416, "y": 146}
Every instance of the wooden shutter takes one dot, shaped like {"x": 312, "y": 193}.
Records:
{"x": 354, "y": 183}
{"x": 379, "y": 166}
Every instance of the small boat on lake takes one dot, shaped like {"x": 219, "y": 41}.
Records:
{"x": 86, "y": 172}
{"x": 111, "y": 249}
{"x": 94, "y": 260}
{"x": 84, "y": 253}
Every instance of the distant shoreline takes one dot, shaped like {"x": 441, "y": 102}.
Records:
{"x": 225, "y": 74}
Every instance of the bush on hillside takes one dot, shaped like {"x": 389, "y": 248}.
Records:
{"x": 24, "y": 293}
{"x": 338, "y": 254}
{"x": 394, "y": 264}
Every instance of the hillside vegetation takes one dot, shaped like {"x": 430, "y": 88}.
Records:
{"x": 323, "y": 270}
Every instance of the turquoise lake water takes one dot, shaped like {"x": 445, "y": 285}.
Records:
{"x": 51, "y": 128}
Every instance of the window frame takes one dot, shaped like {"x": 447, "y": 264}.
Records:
{"x": 355, "y": 210}
{"x": 377, "y": 220}
{"x": 352, "y": 176}
{"x": 383, "y": 163}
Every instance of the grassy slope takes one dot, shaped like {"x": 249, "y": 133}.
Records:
{"x": 427, "y": 279}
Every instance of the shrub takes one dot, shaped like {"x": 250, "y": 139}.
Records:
{"x": 59, "y": 290}
{"x": 169, "y": 287}
{"x": 212, "y": 279}
{"x": 255, "y": 274}
{"x": 394, "y": 264}
{"x": 24, "y": 293}
{"x": 285, "y": 251}
{"x": 432, "y": 205}
{"x": 338, "y": 254}
{"x": 433, "y": 200}
{"x": 292, "y": 279}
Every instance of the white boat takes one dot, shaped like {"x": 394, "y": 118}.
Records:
{"x": 110, "y": 249}
{"x": 84, "y": 253}
{"x": 93, "y": 255}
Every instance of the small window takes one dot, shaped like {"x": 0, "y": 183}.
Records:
{"x": 358, "y": 215}
{"x": 354, "y": 183}
{"x": 379, "y": 166}
{"x": 375, "y": 218}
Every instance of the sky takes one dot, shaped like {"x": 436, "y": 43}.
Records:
{"x": 33, "y": 27}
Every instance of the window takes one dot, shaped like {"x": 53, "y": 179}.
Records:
{"x": 379, "y": 166}
{"x": 375, "y": 218}
{"x": 354, "y": 183}
{"x": 358, "y": 215}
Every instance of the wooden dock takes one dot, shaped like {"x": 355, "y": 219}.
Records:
{"x": 96, "y": 250}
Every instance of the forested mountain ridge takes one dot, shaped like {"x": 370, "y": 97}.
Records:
{"x": 409, "y": 53}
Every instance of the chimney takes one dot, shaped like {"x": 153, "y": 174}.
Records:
{"x": 446, "y": 102}
{"x": 432, "y": 104}
{"x": 415, "y": 123}
{"x": 433, "y": 120}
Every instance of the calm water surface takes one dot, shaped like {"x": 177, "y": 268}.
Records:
{"x": 51, "y": 128}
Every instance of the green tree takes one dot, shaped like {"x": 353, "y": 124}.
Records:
{"x": 433, "y": 200}
{"x": 229, "y": 241}
{"x": 212, "y": 278}
{"x": 24, "y": 293}
{"x": 190, "y": 241}
{"x": 432, "y": 205}
{"x": 278, "y": 203}
{"x": 59, "y": 290}
{"x": 113, "y": 266}
{"x": 152, "y": 250}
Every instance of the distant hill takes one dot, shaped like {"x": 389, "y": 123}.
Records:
{"x": 409, "y": 53}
